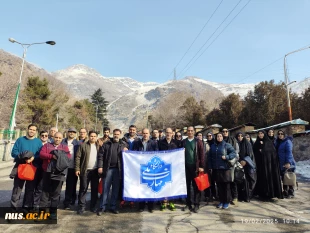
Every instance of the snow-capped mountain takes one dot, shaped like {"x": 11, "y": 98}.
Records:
{"x": 129, "y": 100}
{"x": 301, "y": 86}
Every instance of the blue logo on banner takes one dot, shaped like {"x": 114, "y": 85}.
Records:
{"x": 156, "y": 173}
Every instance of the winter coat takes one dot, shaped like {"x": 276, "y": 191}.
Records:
{"x": 126, "y": 138}
{"x": 47, "y": 156}
{"x": 59, "y": 168}
{"x": 82, "y": 157}
{"x": 105, "y": 154}
{"x": 216, "y": 152}
{"x": 151, "y": 145}
{"x": 163, "y": 144}
{"x": 284, "y": 150}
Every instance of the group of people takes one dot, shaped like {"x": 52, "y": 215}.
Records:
{"x": 90, "y": 158}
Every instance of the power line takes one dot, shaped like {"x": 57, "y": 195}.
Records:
{"x": 196, "y": 37}
{"x": 194, "y": 40}
{"x": 215, "y": 37}
{"x": 210, "y": 37}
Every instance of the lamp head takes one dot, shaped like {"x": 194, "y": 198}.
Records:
{"x": 50, "y": 42}
{"x": 12, "y": 40}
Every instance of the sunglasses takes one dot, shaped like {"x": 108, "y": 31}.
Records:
{"x": 45, "y": 136}
{"x": 280, "y": 133}
{"x": 209, "y": 135}
{"x": 240, "y": 136}
{"x": 225, "y": 131}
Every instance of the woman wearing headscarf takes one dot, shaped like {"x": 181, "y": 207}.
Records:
{"x": 284, "y": 147}
{"x": 268, "y": 183}
{"x": 210, "y": 193}
{"x": 246, "y": 159}
{"x": 178, "y": 139}
{"x": 271, "y": 136}
{"x": 249, "y": 138}
{"x": 219, "y": 154}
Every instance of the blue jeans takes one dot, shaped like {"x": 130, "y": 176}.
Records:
{"x": 112, "y": 178}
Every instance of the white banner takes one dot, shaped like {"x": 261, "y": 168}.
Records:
{"x": 154, "y": 175}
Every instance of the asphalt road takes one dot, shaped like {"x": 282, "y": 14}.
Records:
{"x": 288, "y": 215}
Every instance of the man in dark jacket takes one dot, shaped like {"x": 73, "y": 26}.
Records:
{"x": 145, "y": 144}
{"x": 110, "y": 165}
{"x": 73, "y": 145}
{"x": 86, "y": 169}
{"x": 194, "y": 163}
{"x": 51, "y": 188}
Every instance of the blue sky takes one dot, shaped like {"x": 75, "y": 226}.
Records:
{"x": 145, "y": 39}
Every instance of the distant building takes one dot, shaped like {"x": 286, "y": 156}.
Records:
{"x": 289, "y": 127}
{"x": 214, "y": 129}
{"x": 242, "y": 128}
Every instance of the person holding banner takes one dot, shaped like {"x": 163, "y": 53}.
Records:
{"x": 145, "y": 144}
{"x": 168, "y": 144}
{"x": 110, "y": 165}
{"x": 194, "y": 163}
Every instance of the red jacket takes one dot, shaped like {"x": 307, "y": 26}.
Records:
{"x": 46, "y": 156}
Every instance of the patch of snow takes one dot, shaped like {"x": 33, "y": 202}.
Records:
{"x": 303, "y": 168}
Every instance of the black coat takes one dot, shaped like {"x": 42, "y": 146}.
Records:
{"x": 105, "y": 154}
{"x": 151, "y": 145}
{"x": 59, "y": 168}
{"x": 174, "y": 144}
{"x": 267, "y": 167}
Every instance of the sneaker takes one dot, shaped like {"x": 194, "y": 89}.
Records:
{"x": 171, "y": 206}
{"x": 225, "y": 206}
{"x": 132, "y": 204}
{"x": 163, "y": 206}
{"x": 234, "y": 201}
{"x": 141, "y": 210}
{"x": 220, "y": 205}
{"x": 285, "y": 194}
{"x": 196, "y": 208}
{"x": 150, "y": 210}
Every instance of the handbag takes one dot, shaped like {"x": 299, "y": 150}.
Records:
{"x": 239, "y": 174}
{"x": 202, "y": 181}
{"x": 289, "y": 178}
{"x": 26, "y": 171}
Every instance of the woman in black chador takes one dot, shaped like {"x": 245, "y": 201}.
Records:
{"x": 268, "y": 183}
{"x": 246, "y": 159}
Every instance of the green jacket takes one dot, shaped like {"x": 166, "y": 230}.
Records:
{"x": 82, "y": 157}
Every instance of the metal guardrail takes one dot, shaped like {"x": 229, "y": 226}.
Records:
{"x": 6, "y": 134}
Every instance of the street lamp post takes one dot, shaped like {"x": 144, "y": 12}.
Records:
{"x": 25, "y": 47}
{"x": 289, "y": 108}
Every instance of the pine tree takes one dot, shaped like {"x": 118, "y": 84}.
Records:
{"x": 99, "y": 102}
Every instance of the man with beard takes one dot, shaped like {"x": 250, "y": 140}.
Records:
{"x": 110, "y": 165}
{"x": 131, "y": 136}
{"x": 145, "y": 144}
{"x": 155, "y": 134}
{"x": 106, "y": 136}
{"x": 232, "y": 141}
{"x": 28, "y": 143}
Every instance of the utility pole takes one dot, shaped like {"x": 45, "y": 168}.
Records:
{"x": 174, "y": 75}
{"x": 57, "y": 115}
{"x": 289, "y": 108}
